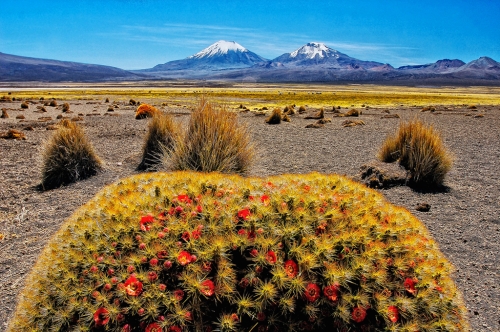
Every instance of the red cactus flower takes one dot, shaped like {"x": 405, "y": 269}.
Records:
{"x": 254, "y": 252}
{"x": 291, "y": 268}
{"x": 154, "y": 327}
{"x": 409, "y": 285}
{"x": 178, "y": 294}
{"x": 235, "y": 318}
{"x": 332, "y": 292}
{"x": 161, "y": 235}
{"x": 167, "y": 265}
{"x": 186, "y": 236}
{"x": 107, "y": 287}
{"x": 199, "y": 209}
{"x": 244, "y": 282}
{"x": 153, "y": 261}
{"x": 358, "y": 314}
{"x": 244, "y": 214}
{"x": 184, "y": 258}
{"x": 152, "y": 276}
{"x": 196, "y": 234}
{"x": 271, "y": 257}
{"x": 312, "y": 292}
{"x": 94, "y": 269}
{"x": 264, "y": 199}
{"x": 251, "y": 235}
{"x": 393, "y": 313}
{"x": 207, "y": 288}
{"x": 162, "y": 254}
{"x": 101, "y": 317}
{"x": 145, "y": 220}
{"x": 126, "y": 328}
{"x": 141, "y": 311}
{"x": 261, "y": 316}
{"x": 184, "y": 199}
{"x": 133, "y": 286}
{"x": 242, "y": 232}
{"x": 174, "y": 329}
{"x": 206, "y": 266}
{"x": 162, "y": 287}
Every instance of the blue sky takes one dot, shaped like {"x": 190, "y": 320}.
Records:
{"x": 135, "y": 34}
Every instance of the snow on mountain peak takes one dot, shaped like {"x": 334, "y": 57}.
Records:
{"x": 219, "y": 48}
{"x": 313, "y": 49}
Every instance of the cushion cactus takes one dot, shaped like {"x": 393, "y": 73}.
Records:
{"x": 194, "y": 251}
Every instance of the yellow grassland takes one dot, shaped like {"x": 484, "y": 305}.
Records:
{"x": 270, "y": 95}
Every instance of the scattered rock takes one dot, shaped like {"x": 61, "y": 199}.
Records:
{"x": 383, "y": 175}
{"x": 315, "y": 125}
{"x": 478, "y": 116}
{"x": 423, "y": 207}
{"x": 20, "y": 117}
{"x": 390, "y": 116}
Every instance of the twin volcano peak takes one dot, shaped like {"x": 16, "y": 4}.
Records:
{"x": 313, "y": 50}
{"x": 219, "y": 48}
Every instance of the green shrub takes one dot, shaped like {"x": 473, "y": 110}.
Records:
{"x": 198, "y": 251}
{"x": 68, "y": 157}
{"x": 418, "y": 148}
{"x": 160, "y": 138}
{"x": 213, "y": 142}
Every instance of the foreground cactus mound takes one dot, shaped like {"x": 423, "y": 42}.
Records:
{"x": 209, "y": 252}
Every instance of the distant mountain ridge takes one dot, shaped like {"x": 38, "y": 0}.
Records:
{"x": 19, "y": 68}
{"x": 230, "y": 61}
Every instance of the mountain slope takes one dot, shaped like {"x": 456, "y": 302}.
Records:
{"x": 318, "y": 54}
{"x": 19, "y": 68}
{"x": 221, "y": 55}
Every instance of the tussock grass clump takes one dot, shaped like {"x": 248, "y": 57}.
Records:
{"x": 353, "y": 112}
{"x": 353, "y": 123}
{"x": 160, "y": 138}
{"x": 24, "y": 105}
{"x": 302, "y": 109}
{"x": 214, "y": 142}
{"x": 53, "y": 103}
{"x": 319, "y": 115}
{"x": 196, "y": 252}
{"x": 275, "y": 117}
{"x": 146, "y": 111}
{"x": 65, "y": 108}
{"x": 418, "y": 148}
{"x": 132, "y": 102}
{"x": 68, "y": 157}
{"x": 14, "y": 134}
{"x": 4, "y": 115}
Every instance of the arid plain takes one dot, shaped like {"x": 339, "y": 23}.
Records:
{"x": 464, "y": 219}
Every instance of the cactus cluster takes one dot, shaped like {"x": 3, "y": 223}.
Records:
{"x": 209, "y": 252}
{"x": 145, "y": 111}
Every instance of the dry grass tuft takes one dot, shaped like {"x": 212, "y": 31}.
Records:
{"x": 24, "y": 105}
{"x": 319, "y": 115}
{"x": 68, "y": 157}
{"x": 20, "y": 117}
{"x": 428, "y": 109}
{"x": 286, "y": 118}
{"x": 214, "y": 142}
{"x": 160, "y": 139}
{"x": 14, "y": 134}
{"x": 132, "y": 102}
{"x": 4, "y": 115}
{"x": 146, "y": 111}
{"x": 353, "y": 112}
{"x": 112, "y": 109}
{"x": 302, "y": 109}
{"x": 275, "y": 117}
{"x": 65, "y": 108}
{"x": 52, "y": 103}
{"x": 418, "y": 148}
{"x": 353, "y": 123}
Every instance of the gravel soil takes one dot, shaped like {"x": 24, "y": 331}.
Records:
{"x": 464, "y": 219}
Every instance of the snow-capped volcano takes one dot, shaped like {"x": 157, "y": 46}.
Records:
{"x": 221, "y": 55}
{"x": 219, "y": 48}
{"x": 313, "y": 50}
{"x": 315, "y": 53}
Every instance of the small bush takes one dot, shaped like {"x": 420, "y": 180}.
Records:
{"x": 352, "y": 112}
{"x": 65, "y": 108}
{"x": 4, "y": 115}
{"x": 214, "y": 142}
{"x": 145, "y": 111}
{"x": 53, "y": 103}
{"x": 24, "y": 105}
{"x": 217, "y": 252}
{"x": 275, "y": 117}
{"x": 418, "y": 148}
{"x": 14, "y": 134}
{"x": 302, "y": 109}
{"x": 68, "y": 157}
{"x": 160, "y": 138}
